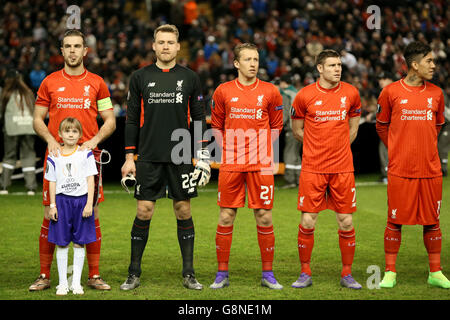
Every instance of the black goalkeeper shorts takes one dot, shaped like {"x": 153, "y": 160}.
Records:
{"x": 159, "y": 180}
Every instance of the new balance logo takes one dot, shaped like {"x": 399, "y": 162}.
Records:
{"x": 318, "y": 103}
{"x": 267, "y": 202}
{"x": 151, "y": 84}
{"x": 404, "y": 101}
{"x": 235, "y": 99}
{"x": 61, "y": 89}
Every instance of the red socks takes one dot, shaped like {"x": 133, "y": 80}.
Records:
{"x": 306, "y": 244}
{"x": 266, "y": 241}
{"x": 432, "y": 238}
{"x": 224, "y": 236}
{"x": 347, "y": 245}
{"x": 392, "y": 241}
{"x": 46, "y": 249}
{"x": 93, "y": 252}
{"x": 305, "y": 247}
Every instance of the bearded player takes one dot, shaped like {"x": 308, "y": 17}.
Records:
{"x": 325, "y": 117}
{"x": 409, "y": 119}
{"x": 72, "y": 92}
{"x": 248, "y": 111}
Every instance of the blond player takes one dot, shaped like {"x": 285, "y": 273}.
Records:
{"x": 245, "y": 113}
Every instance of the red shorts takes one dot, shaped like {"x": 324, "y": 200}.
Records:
{"x": 98, "y": 191}
{"x": 232, "y": 185}
{"x": 414, "y": 200}
{"x": 334, "y": 191}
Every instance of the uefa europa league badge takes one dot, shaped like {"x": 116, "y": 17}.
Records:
{"x": 69, "y": 167}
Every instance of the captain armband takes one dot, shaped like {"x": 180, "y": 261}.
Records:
{"x": 104, "y": 104}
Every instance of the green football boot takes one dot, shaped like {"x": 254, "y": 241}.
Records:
{"x": 389, "y": 280}
{"x": 438, "y": 279}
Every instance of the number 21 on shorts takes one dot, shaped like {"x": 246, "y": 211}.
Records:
{"x": 266, "y": 194}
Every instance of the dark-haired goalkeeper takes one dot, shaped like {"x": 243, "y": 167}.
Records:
{"x": 162, "y": 99}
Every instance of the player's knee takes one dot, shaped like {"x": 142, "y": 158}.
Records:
{"x": 345, "y": 222}
{"x": 263, "y": 217}
{"x": 227, "y": 216}
{"x": 308, "y": 220}
{"x": 145, "y": 211}
{"x": 182, "y": 210}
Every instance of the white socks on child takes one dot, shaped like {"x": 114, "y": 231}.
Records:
{"x": 61, "y": 259}
{"x": 78, "y": 261}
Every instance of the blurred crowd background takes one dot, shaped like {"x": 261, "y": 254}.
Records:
{"x": 289, "y": 33}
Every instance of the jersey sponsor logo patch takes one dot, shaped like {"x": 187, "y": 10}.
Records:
{"x": 259, "y": 113}
{"x": 279, "y": 108}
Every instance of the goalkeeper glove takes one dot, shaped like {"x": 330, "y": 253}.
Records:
{"x": 128, "y": 181}
{"x": 202, "y": 171}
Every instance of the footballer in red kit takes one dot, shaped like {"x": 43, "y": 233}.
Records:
{"x": 72, "y": 92}
{"x": 409, "y": 118}
{"x": 247, "y": 115}
{"x": 325, "y": 117}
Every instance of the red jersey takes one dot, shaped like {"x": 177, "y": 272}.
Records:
{"x": 412, "y": 114}
{"x": 246, "y": 115}
{"x": 80, "y": 97}
{"x": 326, "y": 113}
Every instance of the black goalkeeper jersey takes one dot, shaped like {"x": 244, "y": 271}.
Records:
{"x": 159, "y": 102}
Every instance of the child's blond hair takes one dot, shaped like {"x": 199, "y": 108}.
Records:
{"x": 69, "y": 123}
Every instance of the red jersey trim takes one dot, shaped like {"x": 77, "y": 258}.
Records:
{"x": 79, "y": 77}
{"x": 323, "y": 90}
{"x": 241, "y": 87}
{"x": 405, "y": 86}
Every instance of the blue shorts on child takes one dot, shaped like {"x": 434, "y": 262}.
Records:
{"x": 71, "y": 226}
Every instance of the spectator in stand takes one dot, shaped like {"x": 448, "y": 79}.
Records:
{"x": 16, "y": 116}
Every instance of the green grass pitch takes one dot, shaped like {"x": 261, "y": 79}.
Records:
{"x": 21, "y": 217}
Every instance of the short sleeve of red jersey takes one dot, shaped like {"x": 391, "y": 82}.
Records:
{"x": 298, "y": 109}
{"x": 355, "y": 108}
{"x": 440, "y": 117}
{"x": 218, "y": 110}
{"x": 43, "y": 96}
{"x": 276, "y": 110}
{"x": 384, "y": 107}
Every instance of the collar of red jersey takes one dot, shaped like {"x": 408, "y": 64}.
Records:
{"x": 77, "y": 77}
{"x": 324, "y": 90}
{"x": 411, "y": 88}
{"x": 253, "y": 86}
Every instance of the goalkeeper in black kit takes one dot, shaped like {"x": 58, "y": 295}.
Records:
{"x": 161, "y": 100}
